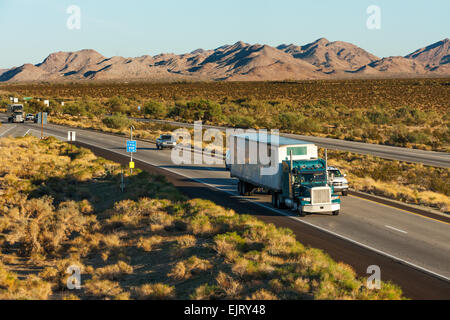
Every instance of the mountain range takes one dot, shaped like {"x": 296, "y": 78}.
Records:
{"x": 241, "y": 61}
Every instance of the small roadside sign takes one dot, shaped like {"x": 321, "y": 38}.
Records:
{"x": 131, "y": 165}
{"x": 71, "y": 136}
{"x": 131, "y": 146}
{"x": 42, "y": 118}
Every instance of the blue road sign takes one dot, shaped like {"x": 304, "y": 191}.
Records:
{"x": 131, "y": 146}
{"x": 40, "y": 117}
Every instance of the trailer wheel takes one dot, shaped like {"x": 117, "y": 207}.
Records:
{"x": 336, "y": 213}
{"x": 279, "y": 202}
{"x": 274, "y": 199}
{"x": 300, "y": 211}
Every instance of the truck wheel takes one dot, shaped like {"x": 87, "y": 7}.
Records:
{"x": 239, "y": 187}
{"x": 345, "y": 193}
{"x": 244, "y": 188}
{"x": 247, "y": 189}
{"x": 336, "y": 213}
{"x": 300, "y": 211}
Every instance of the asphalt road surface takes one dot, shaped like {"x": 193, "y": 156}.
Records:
{"x": 431, "y": 158}
{"x": 411, "y": 250}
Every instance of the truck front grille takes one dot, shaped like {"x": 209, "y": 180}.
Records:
{"x": 320, "y": 196}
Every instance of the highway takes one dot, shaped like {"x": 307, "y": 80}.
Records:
{"x": 431, "y": 158}
{"x": 412, "y": 251}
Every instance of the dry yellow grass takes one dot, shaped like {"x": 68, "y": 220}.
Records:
{"x": 151, "y": 244}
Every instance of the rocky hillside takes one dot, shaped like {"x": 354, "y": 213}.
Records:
{"x": 320, "y": 59}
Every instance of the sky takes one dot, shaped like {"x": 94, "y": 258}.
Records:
{"x": 32, "y": 29}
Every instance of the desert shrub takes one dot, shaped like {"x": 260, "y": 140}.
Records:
{"x": 263, "y": 294}
{"x": 239, "y": 121}
{"x": 186, "y": 269}
{"x": 35, "y": 106}
{"x": 57, "y": 274}
{"x": 117, "y": 104}
{"x": 155, "y": 109}
{"x": 206, "y": 292}
{"x": 157, "y": 291}
{"x": 75, "y": 109}
{"x": 230, "y": 287}
{"x": 115, "y": 271}
{"x": 103, "y": 289}
{"x": 117, "y": 121}
{"x": 39, "y": 228}
{"x": 32, "y": 288}
{"x": 147, "y": 244}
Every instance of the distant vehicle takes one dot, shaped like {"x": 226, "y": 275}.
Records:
{"x": 165, "y": 141}
{"x": 338, "y": 180}
{"x": 29, "y": 117}
{"x": 300, "y": 182}
{"x": 36, "y": 118}
{"x": 16, "y": 113}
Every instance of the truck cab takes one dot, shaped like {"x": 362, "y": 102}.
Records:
{"x": 16, "y": 113}
{"x": 305, "y": 188}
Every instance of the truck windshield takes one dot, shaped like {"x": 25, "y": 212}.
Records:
{"x": 310, "y": 178}
{"x": 336, "y": 173}
{"x": 166, "y": 138}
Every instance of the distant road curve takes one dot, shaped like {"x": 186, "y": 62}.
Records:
{"x": 430, "y": 158}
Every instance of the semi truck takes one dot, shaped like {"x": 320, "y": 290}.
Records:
{"x": 299, "y": 180}
{"x": 16, "y": 113}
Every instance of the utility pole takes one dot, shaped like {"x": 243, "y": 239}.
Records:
{"x": 326, "y": 164}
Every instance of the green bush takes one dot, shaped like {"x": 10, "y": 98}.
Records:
{"x": 241, "y": 121}
{"x": 155, "y": 109}
{"x": 117, "y": 121}
{"x": 197, "y": 109}
{"x": 118, "y": 104}
{"x": 75, "y": 109}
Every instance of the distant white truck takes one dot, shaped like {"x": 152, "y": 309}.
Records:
{"x": 16, "y": 113}
{"x": 298, "y": 179}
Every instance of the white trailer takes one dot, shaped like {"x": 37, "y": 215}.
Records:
{"x": 295, "y": 176}
{"x": 246, "y": 162}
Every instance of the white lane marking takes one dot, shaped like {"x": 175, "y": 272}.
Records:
{"x": 26, "y": 132}
{"x": 1, "y": 135}
{"x": 410, "y": 264}
{"x": 396, "y": 229}
{"x": 56, "y": 136}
